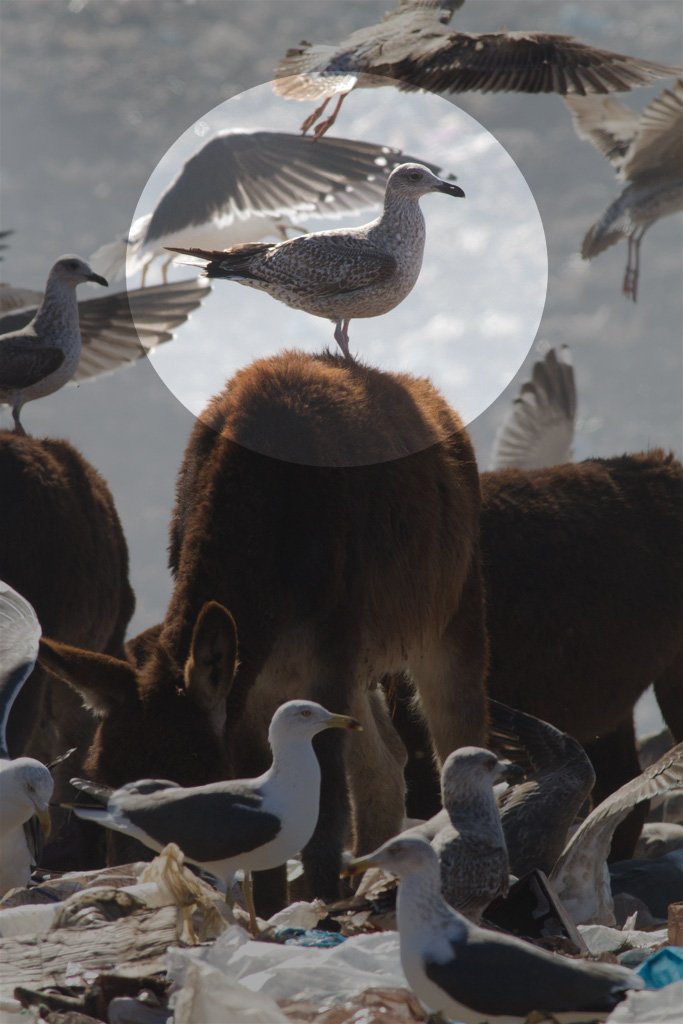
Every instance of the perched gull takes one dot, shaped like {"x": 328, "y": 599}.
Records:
{"x": 245, "y": 186}
{"x": 116, "y": 329}
{"x": 538, "y": 430}
{"x": 413, "y": 46}
{"x": 537, "y": 813}
{"x": 25, "y": 784}
{"x": 471, "y": 845}
{"x": 346, "y": 272}
{"x": 253, "y": 824}
{"x": 580, "y": 877}
{"x": 471, "y": 974}
{"x": 646, "y": 151}
{"x": 41, "y": 357}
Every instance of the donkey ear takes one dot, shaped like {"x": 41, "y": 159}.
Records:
{"x": 102, "y": 681}
{"x": 212, "y": 663}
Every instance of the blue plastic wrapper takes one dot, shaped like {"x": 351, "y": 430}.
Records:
{"x": 308, "y": 937}
{"x": 663, "y": 967}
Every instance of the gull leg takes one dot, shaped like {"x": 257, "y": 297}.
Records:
{"x": 249, "y": 900}
{"x": 143, "y": 276}
{"x": 164, "y": 269}
{"x": 630, "y": 287}
{"x": 18, "y": 429}
{"x": 323, "y": 126}
{"x": 284, "y": 227}
{"x": 312, "y": 118}
{"x": 341, "y": 336}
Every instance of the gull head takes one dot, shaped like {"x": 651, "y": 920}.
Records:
{"x": 72, "y": 270}
{"x": 303, "y": 719}
{"x": 26, "y": 788}
{"x": 410, "y": 181}
{"x": 473, "y": 769}
{"x": 401, "y": 856}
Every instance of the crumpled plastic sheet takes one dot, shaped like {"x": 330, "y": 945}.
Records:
{"x": 650, "y": 1006}
{"x": 601, "y": 939}
{"x": 242, "y": 979}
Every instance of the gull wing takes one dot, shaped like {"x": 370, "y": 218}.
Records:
{"x": 539, "y": 428}
{"x": 23, "y": 363}
{"x": 580, "y": 868}
{"x": 241, "y": 174}
{"x": 533, "y": 62}
{"x": 19, "y": 636}
{"x": 495, "y": 974}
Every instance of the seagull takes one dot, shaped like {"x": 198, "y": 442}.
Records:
{"x": 471, "y": 845}
{"x": 25, "y": 784}
{"x": 245, "y": 186}
{"x": 471, "y": 974}
{"x": 536, "y": 814}
{"x": 538, "y": 430}
{"x": 252, "y": 824}
{"x": 581, "y": 877}
{"x": 646, "y": 151}
{"x": 41, "y": 357}
{"x": 346, "y": 272}
{"x": 116, "y": 329}
{"x": 414, "y": 47}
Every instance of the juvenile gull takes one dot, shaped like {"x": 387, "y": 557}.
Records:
{"x": 538, "y": 430}
{"x": 41, "y": 357}
{"x": 471, "y": 845}
{"x": 252, "y": 824}
{"x": 471, "y": 974}
{"x": 581, "y": 877}
{"x": 25, "y": 784}
{"x": 537, "y": 813}
{"x": 413, "y": 47}
{"x": 245, "y": 186}
{"x": 346, "y": 272}
{"x": 646, "y": 151}
{"x": 116, "y": 329}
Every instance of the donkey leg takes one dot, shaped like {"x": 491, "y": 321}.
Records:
{"x": 615, "y": 759}
{"x": 669, "y": 694}
{"x": 322, "y": 856}
{"x": 375, "y": 768}
{"x": 450, "y": 675}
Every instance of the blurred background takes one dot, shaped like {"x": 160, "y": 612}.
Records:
{"x": 93, "y": 94}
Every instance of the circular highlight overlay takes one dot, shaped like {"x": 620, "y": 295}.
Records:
{"x": 468, "y": 323}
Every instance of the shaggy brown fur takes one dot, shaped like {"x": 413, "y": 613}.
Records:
{"x": 341, "y": 557}
{"x": 62, "y": 548}
{"x": 583, "y": 568}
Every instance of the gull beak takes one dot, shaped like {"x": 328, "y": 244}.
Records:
{"x": 507, "y": 771}
{"x": 343, "y": 722}
{"x": 450, "y": 189}
{"x": 358, "y": 865}
{"x": 43, "y": 816}
{"x": 97, "y": 279}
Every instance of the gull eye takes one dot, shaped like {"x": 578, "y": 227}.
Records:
{"x": 73, "y": 265}
{"x": 306, "y": 713}
{"x": 415, "y": 176}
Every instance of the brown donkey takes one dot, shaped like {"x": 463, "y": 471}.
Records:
{"x": 63, "y": 549}
{"x": 334, "y": 511}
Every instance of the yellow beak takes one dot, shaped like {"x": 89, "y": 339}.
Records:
{"x": 357, "y": 866}
{"x": 45, "y": 822}
{"x": 343, "y": 722}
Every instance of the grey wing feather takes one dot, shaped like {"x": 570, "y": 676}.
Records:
{"x": 538, "y": 813}
{"x": 533, "y": 62}
{"x": 273, "y": 173}
{"x": 19, "y": 636}
{"x": 22, "y": 365}
{"x": 316, "y": 263}
{"x": 207, "y": 826}
{"x": 539, "y": 428}
{"x": 494, "y": 975}
{"x": 120, "y": 328}
{"x": 588, "y": 848}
